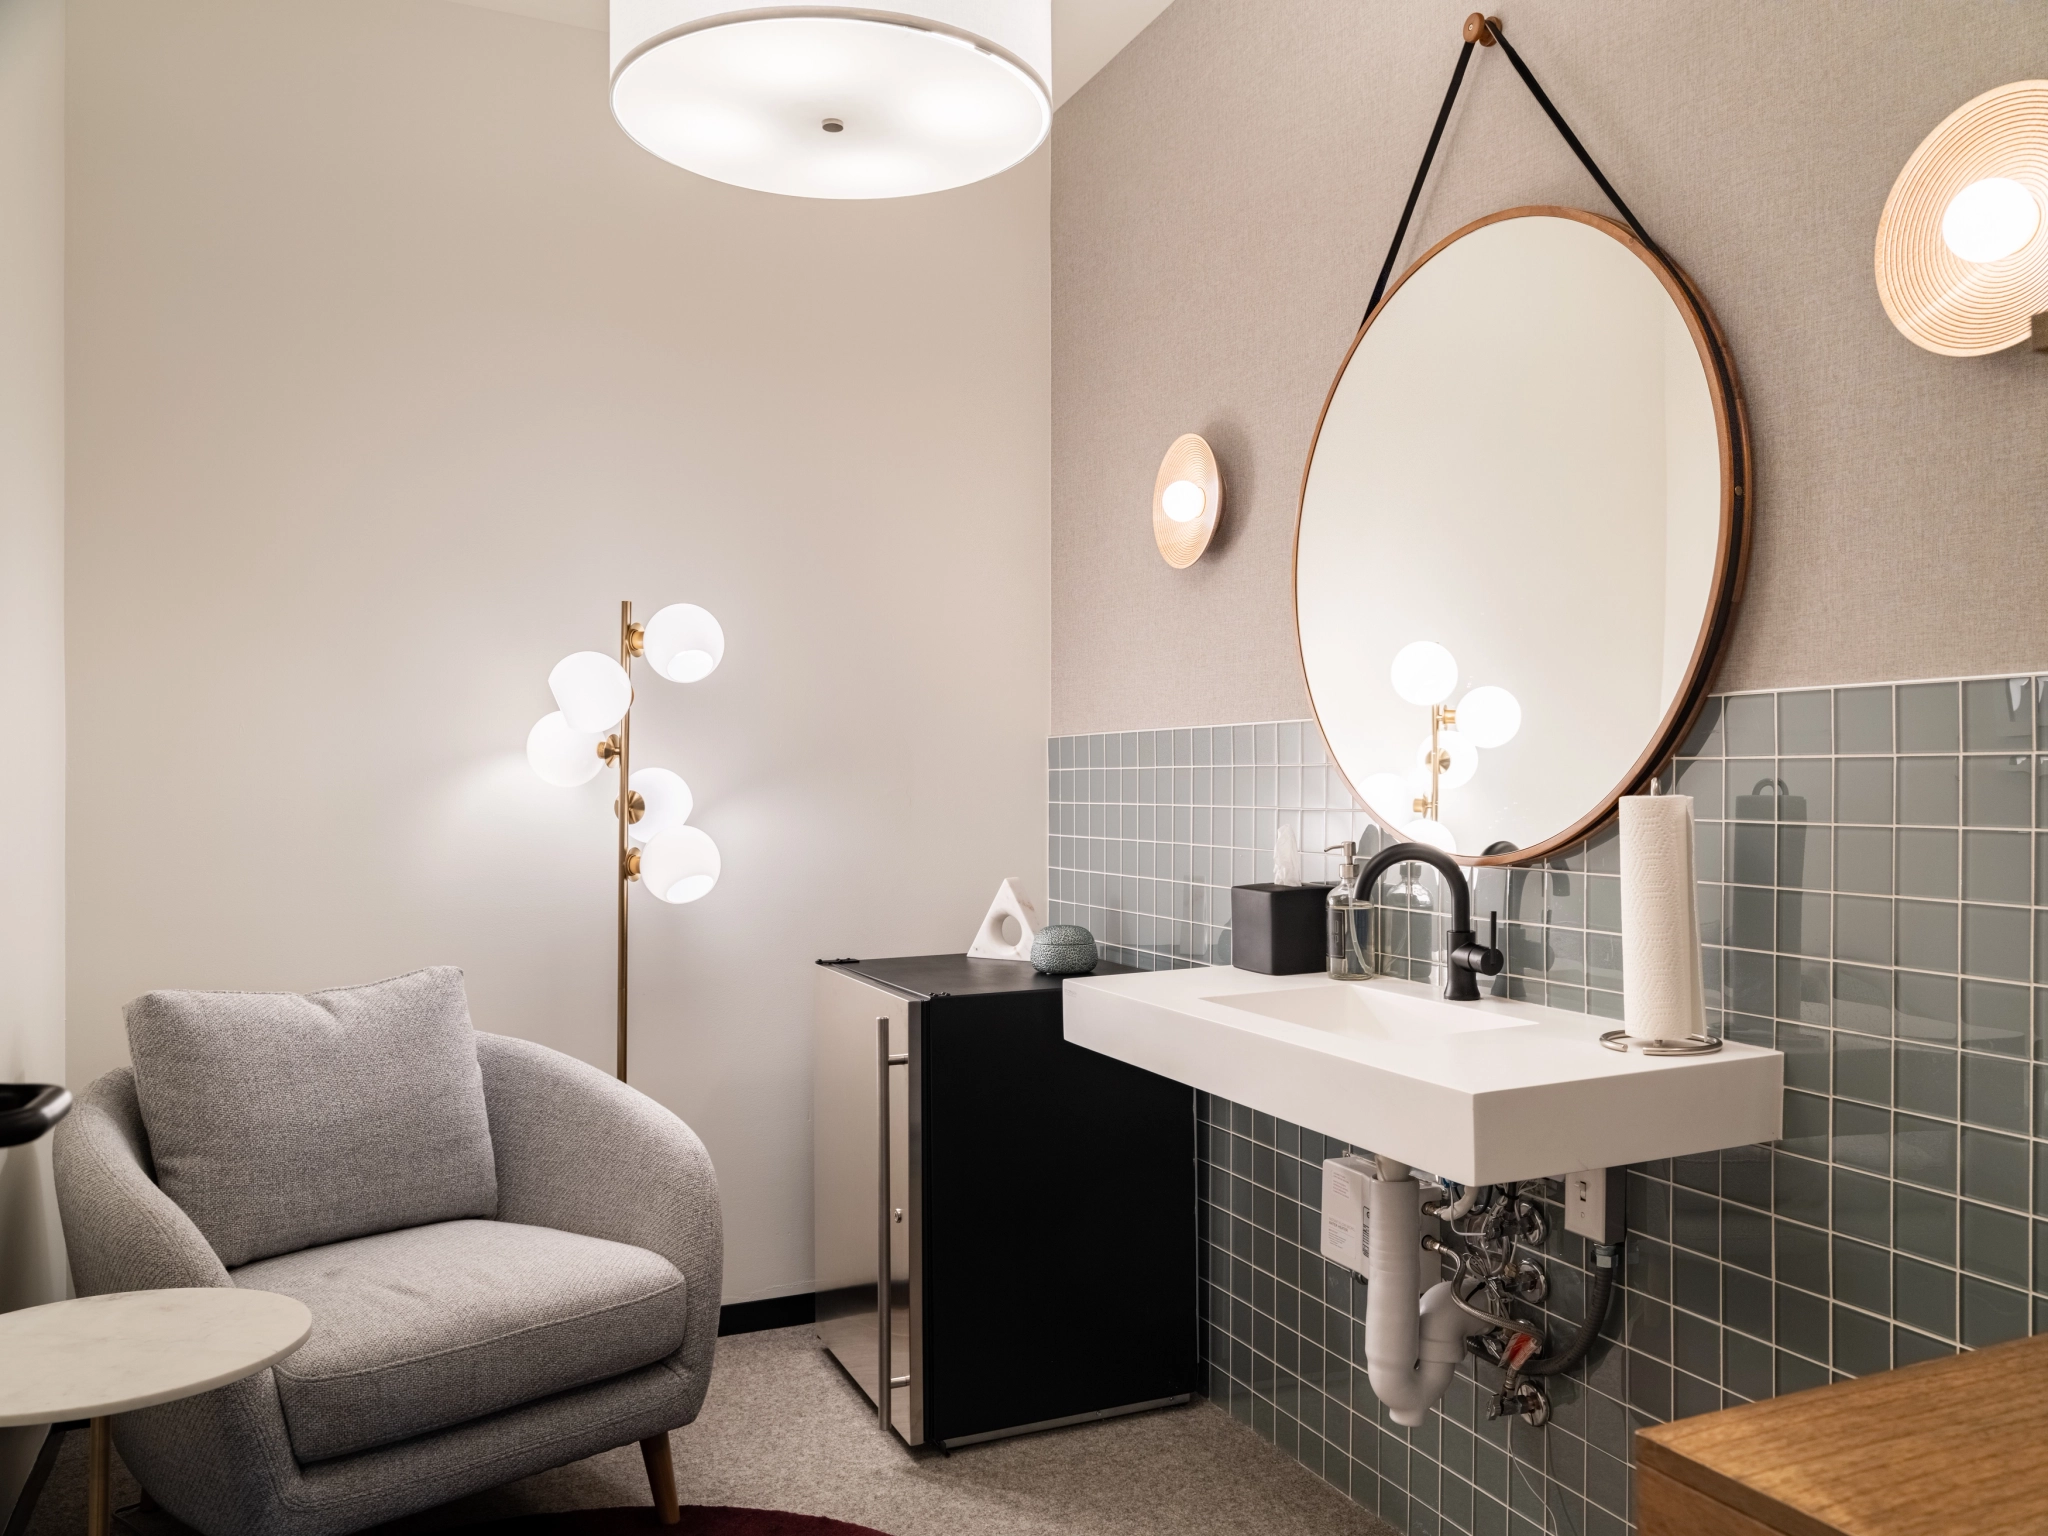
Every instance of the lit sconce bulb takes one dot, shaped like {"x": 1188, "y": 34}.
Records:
{"x": 1989, "y": 220}
{"x": 1424, "y": 672}
{"x": 1489, "y": 716}
{"x": 680, "y": 865}
{"x": 1389, "y": 796}
{"x": 1434, "y": 833}
{"x": 1464, "y": 761}
{"x": 683, "y": 643}
{"x": 667, "y": 803}
{"x": 1183, "y": 501}
{"x": 563, "y": 756}
{"x": 592, "y": 691}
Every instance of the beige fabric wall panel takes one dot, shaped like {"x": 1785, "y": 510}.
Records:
{"x": 395, "y": 365}
{"x": 1223, "y": 194}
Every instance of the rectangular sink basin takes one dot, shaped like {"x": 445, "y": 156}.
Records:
{"x": 1382, "y": 1014}
{"x": 1483, "y": 1092}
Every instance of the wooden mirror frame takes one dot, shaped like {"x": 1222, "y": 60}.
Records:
{"x": 1731, "y": 557}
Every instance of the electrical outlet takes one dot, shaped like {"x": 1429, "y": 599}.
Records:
{"x": 1595, "y": 1203}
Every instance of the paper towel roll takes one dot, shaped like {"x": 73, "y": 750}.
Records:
{"x": 1660, "y": 925}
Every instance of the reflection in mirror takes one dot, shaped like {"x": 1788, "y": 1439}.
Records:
{"x": 1515, "y": 538}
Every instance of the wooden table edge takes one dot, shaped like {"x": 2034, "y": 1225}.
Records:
{"x": 1660, "y": 1447}
{"x": 1723, "y": 1489}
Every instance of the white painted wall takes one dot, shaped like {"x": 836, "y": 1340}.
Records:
{"x": 31, "y": 645}
{"x": 394, "y": 366}
{"x": 1086, "y": 34}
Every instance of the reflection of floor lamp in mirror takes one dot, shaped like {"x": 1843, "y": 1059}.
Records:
{"x": 592, "y": 729}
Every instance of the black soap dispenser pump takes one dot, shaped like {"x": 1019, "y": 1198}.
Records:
{"x": 1350, "y": 925}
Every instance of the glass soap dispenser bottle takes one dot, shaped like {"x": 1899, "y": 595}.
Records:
{"x": 1350, "y": 921}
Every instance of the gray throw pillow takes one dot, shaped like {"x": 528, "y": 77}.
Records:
{"x": 280, "y": 1121}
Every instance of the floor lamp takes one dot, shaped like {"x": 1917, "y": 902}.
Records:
{"x": 592, "y": 729}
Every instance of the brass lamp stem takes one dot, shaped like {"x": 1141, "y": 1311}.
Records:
{"x": 626, "y": 868}
{"x": 1441, "y": 718}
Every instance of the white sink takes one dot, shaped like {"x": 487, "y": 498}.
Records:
{"x": 1481, "y": 1092}
{"x": 1376, "y": 1014}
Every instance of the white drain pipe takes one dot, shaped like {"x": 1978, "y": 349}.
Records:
{"x": 1411, "y": 1351}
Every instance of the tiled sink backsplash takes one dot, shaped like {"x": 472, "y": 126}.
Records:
{"x": 1873, "y": 901}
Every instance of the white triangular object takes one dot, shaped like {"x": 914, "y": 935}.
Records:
{"x": 1011, "y": 903}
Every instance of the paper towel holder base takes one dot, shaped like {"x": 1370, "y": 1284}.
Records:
{"x": 1691, "y": 1045}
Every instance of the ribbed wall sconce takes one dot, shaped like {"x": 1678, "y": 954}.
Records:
{"x": 1187, "y": 500}
{"x": 1962, "y": 255}
{"x": 592, "y": 729}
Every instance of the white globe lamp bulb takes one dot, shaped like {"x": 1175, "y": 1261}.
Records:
{"x": 1489, "y": 716}
{"x": 1434, "y": 833}
{"x": 1183, "y": 501}
{"x": 1389, "y": 796}
{"x": 683, "y": 643}
{"x": 1464, "y": 759}
{"x": 561, "y": 755}
{"x": 667, "y": 803}
{"x": 1424, "y": 672}
{"x": 680, "y": 865}
{"x": 1990, "y": 220}
{"x": 592, "y": 691}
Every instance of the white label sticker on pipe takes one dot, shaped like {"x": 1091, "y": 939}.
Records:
{"x": 1347, "y": 1229}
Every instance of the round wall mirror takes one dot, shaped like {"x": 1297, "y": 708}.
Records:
{"x": 1522, "y": 533}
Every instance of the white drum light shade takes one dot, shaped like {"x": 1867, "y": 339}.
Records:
{"x": 680, "y": 865}
{"x": 592, "y": 691}
{"x": 1424, "y": 672}
{"x": 835, "y": 103}
{"x": 560, "y": 755}
{"x": 667, "y": 800}
{"x": 684, "y": 643}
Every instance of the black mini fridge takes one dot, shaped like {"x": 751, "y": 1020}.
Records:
{"x": 1034, "y": 1203}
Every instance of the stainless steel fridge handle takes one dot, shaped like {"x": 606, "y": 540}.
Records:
{"x": 884, "y": 1269}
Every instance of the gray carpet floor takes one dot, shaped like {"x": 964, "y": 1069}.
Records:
{"x": 782, "y": 1428}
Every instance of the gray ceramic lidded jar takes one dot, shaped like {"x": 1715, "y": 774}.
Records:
{"x": 1064, "y": 949}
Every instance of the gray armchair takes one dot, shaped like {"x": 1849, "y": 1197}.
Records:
{"x": 445, "y": 1358}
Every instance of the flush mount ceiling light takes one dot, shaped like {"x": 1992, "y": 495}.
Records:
{"x": 834, "y": 103}
{"x": 1187, "y": 499}
{"x": 1962, "y": 258}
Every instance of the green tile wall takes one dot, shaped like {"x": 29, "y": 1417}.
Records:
{"x": 1873, "y": 902}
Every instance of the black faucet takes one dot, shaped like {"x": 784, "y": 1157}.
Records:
{"x": 1469, "y": 959}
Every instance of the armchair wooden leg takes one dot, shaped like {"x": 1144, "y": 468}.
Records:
{"x": 99, "y": 1489}
{"x": 661, "y": 1478}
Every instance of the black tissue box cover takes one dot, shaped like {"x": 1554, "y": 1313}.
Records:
{"x": 1278, "y": 930}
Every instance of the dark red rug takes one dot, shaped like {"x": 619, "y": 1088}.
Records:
{"x": 698, "y": 1520}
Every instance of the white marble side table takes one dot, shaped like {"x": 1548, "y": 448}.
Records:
{"x": 101, "y": 1355}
